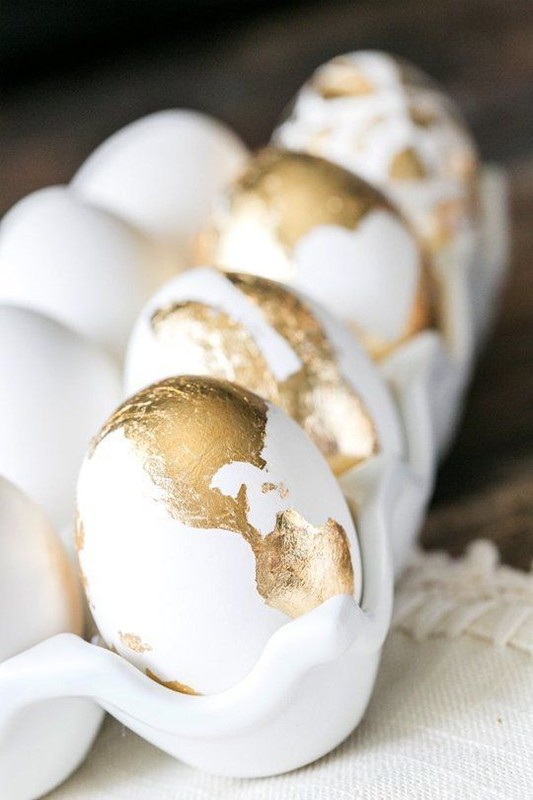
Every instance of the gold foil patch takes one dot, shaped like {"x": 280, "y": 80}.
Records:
{"x": 280, "y": 488}
{"x": 317, "y": 396}
{"x": 282, "y": 196}
{"x": 421, "y": 116}
{"x": 215, "y": 343}
{"x": 79, "y": 533}
{"x": 406, "y": 166}
{"x": 176, "y": 686}
{"x": 299, "y": 566}
{"x": 133, "y": 642}
{"x": 342, "y": 78}
{"x": 185, "y": 430}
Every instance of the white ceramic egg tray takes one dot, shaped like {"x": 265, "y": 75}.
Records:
{"x": 429, "y": 374}
{"x": 317, "y": 672}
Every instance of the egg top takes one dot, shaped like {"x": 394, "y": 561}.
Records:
{"x": 384, "y": 119}
{"x": 160, "y": 173}
{"x": 57, "y": 389}
{"x": 275, "y": 343}
{"x": 66, "y": 258}
{"x": 308, "y": 222}
{"x": 206, "y": 520}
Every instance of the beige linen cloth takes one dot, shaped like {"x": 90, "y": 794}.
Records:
{"x": 451, "y": 717}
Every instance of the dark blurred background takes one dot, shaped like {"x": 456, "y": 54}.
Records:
{"x": 74, "y": 72}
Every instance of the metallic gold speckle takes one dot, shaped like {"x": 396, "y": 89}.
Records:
{"x": 176, "y": 686}
{"x": 444, "y": 221}
{"x": 133, "y": 642}
{"x": 342, "y": 78}
{"x": 423, "y": 117}
{"x": 406, "y": 166}
{"x": 280, "y": 488}
{"x": 79, "y": 533}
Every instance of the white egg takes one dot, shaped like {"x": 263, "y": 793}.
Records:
{"x": 39, "y": 598}
{"x": 76, "y": 263}
{"x": 161, "y": 174}
{"x": 57, "y": 389}
{"x": 38, "y": 590}
{"x": 207, "y": 520}
{"x": 274, "y": 342}
{"x": 383, "y": 119}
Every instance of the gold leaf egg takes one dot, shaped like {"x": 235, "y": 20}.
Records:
{"x": 261, "y": 224}
{"x": 192, "y": 559}
{"x": 186, "y": 335}
{"x": 386, "y": 120}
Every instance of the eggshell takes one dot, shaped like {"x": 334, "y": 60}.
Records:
{"x": 57, "y": 389}
{"x": 77, "y": 264}
{"x": 276, "y": 343}
{"x": 38, "y": 590}
{"x": 161, "y": 173}
{"x": 307, "y": 222}
{"x": 383, "y": 119}
{"x": 207, "y": 520}
{"x": 39, "y": 598}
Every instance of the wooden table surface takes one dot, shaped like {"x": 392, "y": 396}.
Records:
{"x": 481, "y": 50}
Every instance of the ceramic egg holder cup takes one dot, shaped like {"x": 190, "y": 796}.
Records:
{"x": 430, "y": 373}
{"x": 316, "y": 673}
{"x": 47, "y": 738}
{"x": 39, "y": 597}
